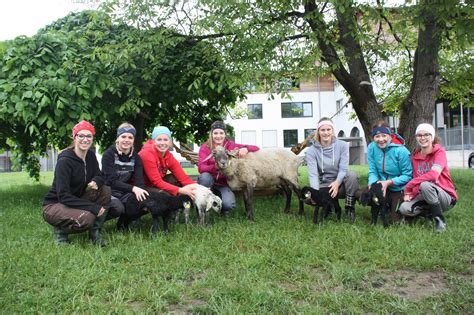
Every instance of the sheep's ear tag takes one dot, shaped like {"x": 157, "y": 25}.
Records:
{"x": 187, "y": 205}
{"x": 307, "y": 194}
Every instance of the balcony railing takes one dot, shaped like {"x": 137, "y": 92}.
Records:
{"x": 451, "y": 138}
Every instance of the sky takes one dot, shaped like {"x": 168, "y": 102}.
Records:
{"x": 26, "y": 17}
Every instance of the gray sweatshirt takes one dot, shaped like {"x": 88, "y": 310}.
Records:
{"x": 328, "y": 164}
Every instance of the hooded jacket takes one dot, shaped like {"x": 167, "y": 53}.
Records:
{"x": 122, "y": 172}
{"x": 423, "y": 172}
{"x": 71, "y": 176}
{"x": 156, "y": 166}
{"x": 393, "y": 162}
{"x": 325, "y": 165}
{"x": 209, "y": 165}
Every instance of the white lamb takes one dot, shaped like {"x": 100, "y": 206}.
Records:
{"x": 266, "y": 168}
{"x": 205, "y": 201}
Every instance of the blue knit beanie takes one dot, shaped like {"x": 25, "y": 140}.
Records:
{"x": 160, "y": 130}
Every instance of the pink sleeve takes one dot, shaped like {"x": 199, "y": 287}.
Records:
{"x": 208, "y": 166}
{"x": 232, "y": 145}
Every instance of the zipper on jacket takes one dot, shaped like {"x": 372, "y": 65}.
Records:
{"x": 85, "y": 172}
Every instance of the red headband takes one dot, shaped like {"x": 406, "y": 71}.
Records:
{"x": 83, "y": 125}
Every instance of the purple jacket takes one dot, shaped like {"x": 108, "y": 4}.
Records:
{"x": 209, "y": 166}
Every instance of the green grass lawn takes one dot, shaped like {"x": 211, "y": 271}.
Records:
{"x": 278, "y": 264}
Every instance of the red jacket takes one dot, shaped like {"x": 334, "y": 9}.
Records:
{"x": 423, "y": 172}
{"x": 155, "y": 168}
{"x": 209, "y": 166}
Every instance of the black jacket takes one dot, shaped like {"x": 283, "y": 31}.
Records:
{"x": 71, "y": 177}
{"x": 121, "y": 171}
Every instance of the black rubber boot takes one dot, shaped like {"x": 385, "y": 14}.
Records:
{"x": 94, "y": 232}
{"x": 61, "y": 236}
{"x": 437, "y": 215}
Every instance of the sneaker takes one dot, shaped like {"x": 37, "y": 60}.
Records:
{"x": 440, "y": 226}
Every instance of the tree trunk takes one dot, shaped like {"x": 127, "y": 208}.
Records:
{"x": 356, "y": 81}
{"x": 419, "y": 105}
{"x": 138, "y": 123}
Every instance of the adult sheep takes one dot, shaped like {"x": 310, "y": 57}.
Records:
{"x": 266, "y": 168}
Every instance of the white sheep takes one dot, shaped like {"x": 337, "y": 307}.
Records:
{"x": 266, "y": 168}
{"x": 204, "y": 200}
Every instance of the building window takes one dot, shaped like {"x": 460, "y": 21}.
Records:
{"x": 296, "y": 109}
{"x": 269, "y": 139}
{"x": 290, "y": 138}
{"x": 249, "y": 137}
{"x": 307, "y": 132}
{"x": 254, "y": 111}
{"x": 341, "y": 134}
{"x": 355, "y": 132}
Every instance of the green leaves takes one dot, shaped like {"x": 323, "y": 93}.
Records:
{"x": 86, "y": 67}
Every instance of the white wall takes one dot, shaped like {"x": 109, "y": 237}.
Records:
{"x": 324, "y": 105}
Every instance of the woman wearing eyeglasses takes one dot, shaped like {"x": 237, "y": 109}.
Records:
{"x": 158, "y": 160}
{"x": 123, "y": 170}
{"x": 78, "y": 199}
{"x": 431, "y": 189}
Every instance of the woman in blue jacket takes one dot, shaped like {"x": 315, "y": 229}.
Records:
{"x": 389, "y": 164}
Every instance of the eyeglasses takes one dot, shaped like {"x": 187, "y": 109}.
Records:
{"x": 82, "y": 137}
{"x": 423, "y": 135}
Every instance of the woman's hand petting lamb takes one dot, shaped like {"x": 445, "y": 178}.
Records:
{"x": 188, "y": 190}
{"x": 334, "y": 188}
{"x": 385, "y": 185}
{"x": 140, "y": 193}
{"x": 92, "y": 185}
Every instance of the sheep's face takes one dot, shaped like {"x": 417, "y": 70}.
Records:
{"x": 214, "y": 203}
{"x": 222, "y": 157}
{"x": 373, "y": 196}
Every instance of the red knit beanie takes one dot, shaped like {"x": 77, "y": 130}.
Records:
{"x": 83, "y": 125}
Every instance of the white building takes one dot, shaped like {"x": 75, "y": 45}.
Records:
{"x": 276, "y": 121}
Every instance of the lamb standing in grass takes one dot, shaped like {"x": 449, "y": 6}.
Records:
{"x": 204, "y": 200}
{"x": 267, "y": 168}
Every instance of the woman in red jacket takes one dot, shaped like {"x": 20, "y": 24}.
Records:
{"x": 431, "y": 188}
{"x": 157, "y": 161}
{"x": 210, "y": 175}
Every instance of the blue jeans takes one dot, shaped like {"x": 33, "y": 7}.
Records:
{"x": 226, "y": 194}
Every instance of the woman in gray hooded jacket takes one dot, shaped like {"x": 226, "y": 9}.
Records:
{"x": 328, "y": 163}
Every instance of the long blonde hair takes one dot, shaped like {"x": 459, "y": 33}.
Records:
{"x": 209, "y": 141}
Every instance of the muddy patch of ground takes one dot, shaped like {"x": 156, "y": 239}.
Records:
{"x": 410, "y": 284}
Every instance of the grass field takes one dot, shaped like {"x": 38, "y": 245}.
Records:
{"x": 278, "y": 264}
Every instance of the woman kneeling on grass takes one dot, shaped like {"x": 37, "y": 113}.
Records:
{"x": 389, "y": 164}
{"x": 328, "y": 165}
{"x": 158, "y": 160}
{"x": 123, "y": 170}
{"x": 210, "y": 175}
{"x": 431, "y": 190}
{"x": 78, "y": 199}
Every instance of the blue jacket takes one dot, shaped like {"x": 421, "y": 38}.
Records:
{"x": 393, "y": 163}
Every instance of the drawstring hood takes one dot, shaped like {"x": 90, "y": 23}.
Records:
{"x": 327, "y": 164}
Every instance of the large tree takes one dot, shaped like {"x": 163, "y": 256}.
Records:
{"x": 86, "y": 67}
{"x": 356, "y": 41}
